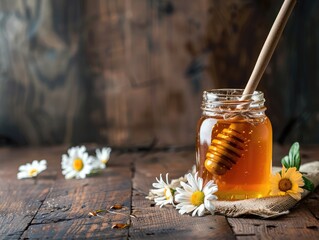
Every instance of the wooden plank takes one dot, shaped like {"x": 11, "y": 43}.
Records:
{"x": 42, "y": 71}
{"x": 132, "y": 72}
{"x": 299, "y": 224}
{"x": 137, "y": 51}
{"x": 65, "y": 211}
{"x": 153, "y": 222}
{"x": 58, "y": 208}
{"x": 21, "y": 199}
{"x": 20, "y": 202}
{"x": 312, "y": 203}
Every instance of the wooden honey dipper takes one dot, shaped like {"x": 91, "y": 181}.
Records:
{"x": 226, "y": 149}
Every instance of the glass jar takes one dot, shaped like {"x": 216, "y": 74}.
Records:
{"x": 234, "y": 143}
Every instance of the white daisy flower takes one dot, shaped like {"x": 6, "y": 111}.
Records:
{"x": 32, "y": 170}
{"x": 77, "y": 164}
{"x": 103, "y": 157}
{"x": 193, "y": 197}
{"x": 164, "y": 193}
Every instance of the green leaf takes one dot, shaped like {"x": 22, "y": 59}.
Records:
{"x": 285, "y": 161}
{"x": 293, "y": 158}
{"x": 294, "y": 155}
{"x": 308, "y": 184}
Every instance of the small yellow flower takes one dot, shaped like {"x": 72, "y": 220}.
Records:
{"x": 288, "y": 182}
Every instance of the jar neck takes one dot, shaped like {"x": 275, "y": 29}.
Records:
{"x": 230, "y": 103}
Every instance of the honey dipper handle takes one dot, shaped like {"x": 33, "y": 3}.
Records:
{"x": 269, "y": 45}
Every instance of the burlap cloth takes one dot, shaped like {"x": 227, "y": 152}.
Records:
{"x": 268, "y": 207}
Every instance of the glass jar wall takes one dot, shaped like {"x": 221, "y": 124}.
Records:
{"x": 234, "y": 143}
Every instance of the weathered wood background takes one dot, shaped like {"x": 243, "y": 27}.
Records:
{"x": 131, "y": 73}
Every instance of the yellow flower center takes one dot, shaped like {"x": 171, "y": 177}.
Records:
{"x": 197, "y": 198}
{"x": 284, "y": 185}
{"x": 78, "y": 164}
{"x": 104, "y": 161}
{"x": 33, "y": 172}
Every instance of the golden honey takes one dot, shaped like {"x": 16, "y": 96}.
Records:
{"x": 247, "y": 175}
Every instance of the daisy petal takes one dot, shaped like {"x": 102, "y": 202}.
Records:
{"x": 201, "y": 210}
{"x": 192, "y": 182}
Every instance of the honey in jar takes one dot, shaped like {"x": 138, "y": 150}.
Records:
{"x": 234, "y": 143}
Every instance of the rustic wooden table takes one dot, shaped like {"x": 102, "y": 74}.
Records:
{"x": 55, "y": 208}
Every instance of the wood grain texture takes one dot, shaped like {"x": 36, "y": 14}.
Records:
{"x": 55, "y": 208}
{"x": 40, "y": 60}
{"x": 279, "y": 229}
{"x": 19, "y": 203}
{"x": 131, "y": 73}
{"x": 65, "y": 212}
{"x": 312, "y": 204}
{"x": 141, "y": 66}
{"x": 21, "y": 200}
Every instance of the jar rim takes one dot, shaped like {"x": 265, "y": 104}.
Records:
{"x": 232, "y": 100}
{"x": 232, "y": 92}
